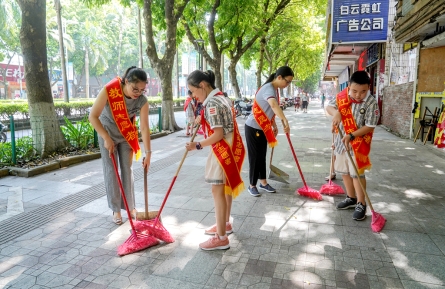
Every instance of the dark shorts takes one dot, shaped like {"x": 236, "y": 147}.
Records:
{"x": 305, "y": 104}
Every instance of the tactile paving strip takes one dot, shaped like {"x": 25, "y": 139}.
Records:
{"x": 23, "y": 223}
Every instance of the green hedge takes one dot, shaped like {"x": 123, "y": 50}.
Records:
{"x": 75, "y": 107}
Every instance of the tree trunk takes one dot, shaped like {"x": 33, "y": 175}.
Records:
{"x": 168, "y": 114}
{"x": 46, "y": 133}
{"x": 58, "y": 8}
{"x": 164, "y": 66}
{"x": 141, "y": 55}
{"x": 233, "y": 80}
{"x": 261, "y": 61}
{"x": 87, "y": 71}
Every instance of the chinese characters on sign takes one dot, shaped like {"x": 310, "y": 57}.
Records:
{"x": 359, "y": 21}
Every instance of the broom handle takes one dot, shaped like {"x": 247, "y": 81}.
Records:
{"x": 145, "y": 191}
{"x": 123, "y": 195}
{"x": 174, "y": 178}
{"x": 295, "y": 157}
{"x": 332, "y": 161}
{"x": 358, "y": 175}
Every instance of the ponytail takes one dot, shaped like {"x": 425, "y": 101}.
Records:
{"x": 271, "y": 78}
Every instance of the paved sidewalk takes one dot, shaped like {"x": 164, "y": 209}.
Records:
{"x": 56, "y": 230}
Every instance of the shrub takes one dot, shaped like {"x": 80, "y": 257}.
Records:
{"x": 80, "y": 134}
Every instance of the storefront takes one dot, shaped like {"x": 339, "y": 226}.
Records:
{"x": 15, "y": 85}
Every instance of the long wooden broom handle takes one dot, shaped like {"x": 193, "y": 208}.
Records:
{"x": 332, "y": 161}
{"x": 175, "y": 176}
{"x": 145, "y": 191}
{"x": 356, "y": 171}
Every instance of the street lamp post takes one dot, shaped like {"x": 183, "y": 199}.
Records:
{"x": 200, "y": 42}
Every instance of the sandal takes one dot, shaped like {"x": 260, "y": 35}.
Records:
{"x": 117, "y": 220}
{"x": 187, "y": 134}
{"x": 331, "y": 177}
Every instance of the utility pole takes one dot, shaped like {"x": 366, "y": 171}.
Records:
{"x": 58, "y": 8}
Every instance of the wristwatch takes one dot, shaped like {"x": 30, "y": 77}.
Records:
{"x": 198, "y": 146}
{"x": 351, "y": 137}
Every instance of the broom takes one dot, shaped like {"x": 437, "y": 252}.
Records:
{"x": 378, "y": 221}
{"x": 138, "y": 240}
{"x": 304, "y": 191}
{"x": 155, "y": 227}
{"x": 331, "y": 188}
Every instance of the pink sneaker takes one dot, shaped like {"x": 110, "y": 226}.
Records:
{"x": 212, "y": 230}
{"x": 214, "y": 243}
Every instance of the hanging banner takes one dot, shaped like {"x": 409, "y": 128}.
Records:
{"x": 359, "y": 21}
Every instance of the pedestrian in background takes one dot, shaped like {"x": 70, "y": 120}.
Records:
{"x": 189, "y": 108}
{"x": 113, "y": 116}
{"x": 297, "y": 102}
{"x": 261, "y": 128}
{"x": 305, "y": 102}
{"x": 223, "y": 167}
{"x": 356, "y": 113}
{"x": 323, "y": 98}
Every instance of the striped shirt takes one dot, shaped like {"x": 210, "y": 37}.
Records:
{"x": 365, "y": 113}
{"x": 218, "y": 111}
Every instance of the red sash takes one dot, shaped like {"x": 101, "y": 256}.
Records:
{"x": 187, "y": 102}
{"x": 120, "y": 115}
{"x": 439, "y": 140}
{"x": 264, "y": 122}
{"x": 360, "y": 145}
{"x": 230, "y": 157}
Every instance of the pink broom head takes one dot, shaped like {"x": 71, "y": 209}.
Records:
{"x": 378, "y": 222}
{"x": 310, "y": 193}
{"x": 331, "y": 189}
{"x": 134, "y": 244}
{"x": 155, "y": 229}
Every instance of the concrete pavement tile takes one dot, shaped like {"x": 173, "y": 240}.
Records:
{"x": 439, "y": 240}
{"x": 351, "y": 279}
{"x": 408, "y": 284}
{"x": 154, "y": 281}
{"x": 419, "y": 267}
{"x": 105, "y": 279}
{"x": 298, "y": 230}
{"x": 190, "y": 265}
{"x": 59, "y": 268}
{"x": 249, "y": 280}
{"x": 325, "y": 215}
{"x": 411, "y": 242}
{"x": 23, "y": 281}
{"x": 434, "y": 226}
{"x": 362, "y": 237}
{"x": 326, "y": 233}
{"x": 216, "y": 281}
{"x": 200, "y": 204}
{"x": 45, "y": 278}
{"x": 258, "y": 226}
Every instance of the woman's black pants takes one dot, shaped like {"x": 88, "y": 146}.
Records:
{"x": 257, "y": 150}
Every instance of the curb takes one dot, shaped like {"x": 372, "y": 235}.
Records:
{"x": 65, "y": 162}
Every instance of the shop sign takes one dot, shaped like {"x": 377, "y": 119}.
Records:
{"x": 12, "y": 72}
{"x": 373, "y": 54}
{"x": 359, "y": 21}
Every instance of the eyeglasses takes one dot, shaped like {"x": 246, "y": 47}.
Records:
{"x": 287, "y": 81}
{"x": 136, "y": 90}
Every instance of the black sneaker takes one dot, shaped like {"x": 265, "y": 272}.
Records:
{"x": 268, "y": 188}
{"x": 347, "y": 203}
{"x": 254, "y": 191}
{"x": 360, "y": 212}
